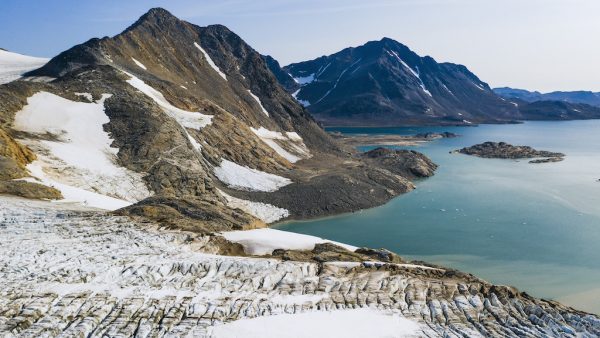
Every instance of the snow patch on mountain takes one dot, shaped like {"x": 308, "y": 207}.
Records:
{"x": 265, "y": 212}
{"x": 338, "y": 80}
{"x": 187, "y": 119}
{"x": 302, "y": 80}
{"x": 415, "y": 73}
{"x": 139, "y": 64}
{"x": 211, "y": 62}
{"x": 79, "y": 160}
{"x": 264, "y": 241}
{"x": 259, "y": 103}
{"x": 13, "y": 65}
{"x": 244, "y": 178}
{"x": 304, "y": 103}
{"x": 294, "y": 142}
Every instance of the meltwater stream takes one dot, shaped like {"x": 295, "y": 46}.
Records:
{"x": 533, "y": 226}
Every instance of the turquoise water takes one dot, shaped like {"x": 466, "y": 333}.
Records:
{"x": 536, "y": 227}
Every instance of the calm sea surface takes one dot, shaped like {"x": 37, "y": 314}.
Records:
{"x": 533, "y": 226}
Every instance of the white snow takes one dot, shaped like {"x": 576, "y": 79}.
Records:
{"x": 265, "y": 212}
{"x": 412, "y": 71}
{"x": 13, "y": 65}
{"x": 259, "y": 103}
{"x": 211, "y": 62}
{"x": 304, "y": 103}
{"x": 184, "y": 87}
{"x": 303, "y": 80}
{"x": 338, "y": 80}
{"x": 355, "y": 323}
{"x": 467, "y": 121}
{"x": 187, "y": 119}
{"x": 448, "y": 90}
{"x": 139, "y": 64}
{"x": 292, "y": 135}
{"x": 244, "y": 178}
{"x": 293, "y": 140}
{"x": 264, "y": 241}
{"x": 80, "y": 161}
{"x": 479, "y": 86}
{"x": 71, "y": 193}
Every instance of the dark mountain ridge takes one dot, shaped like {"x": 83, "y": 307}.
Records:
{"x": 579, "y": 96}
{"x": 384, "y": 82}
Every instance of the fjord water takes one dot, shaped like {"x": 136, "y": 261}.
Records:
{"x": 533, "y": 226}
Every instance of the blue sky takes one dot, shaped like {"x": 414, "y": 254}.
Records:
{"x": 534, "y": 44}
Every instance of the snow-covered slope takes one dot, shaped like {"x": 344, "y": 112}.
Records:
{"x": 78, "y": 273}
{"x": 78, "y": 158}
{"x": 13, "y": 65}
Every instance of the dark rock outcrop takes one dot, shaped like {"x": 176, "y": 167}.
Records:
{"x": 407, "y": 163}
{"x": 284, "y": 78}
{"x": 507, "y": 151}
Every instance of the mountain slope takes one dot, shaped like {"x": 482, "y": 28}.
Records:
{"x": 191, "y": 121}
{"x": 586, "y": 97}
{"x": 13, "y": 65}
{"x": 384, "y": 82}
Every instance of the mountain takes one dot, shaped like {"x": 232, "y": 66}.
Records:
{"x": 283, "y": 77}
{"x": 13, "y": 65}
{"x": 556, "y": 110}
{"x": 182, "y": 124}
{"x": 586, "y": 97}
{"x": 385, "y": 83}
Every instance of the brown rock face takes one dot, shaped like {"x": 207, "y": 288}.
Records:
{"x": 212, "y": 71}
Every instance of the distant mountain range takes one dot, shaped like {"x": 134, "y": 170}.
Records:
{"x": 580, "y": 96}
{"x": 384, "y": 83}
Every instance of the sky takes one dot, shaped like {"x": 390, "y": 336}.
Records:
{"x": 543, "y": 45}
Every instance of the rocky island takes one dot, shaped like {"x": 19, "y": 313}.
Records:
{"x": 504, "y": 150}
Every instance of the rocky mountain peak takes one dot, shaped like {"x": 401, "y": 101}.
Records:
{"x": 158, "y": 16}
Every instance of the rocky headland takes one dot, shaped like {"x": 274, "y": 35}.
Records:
{"x": 504, "y": 150}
